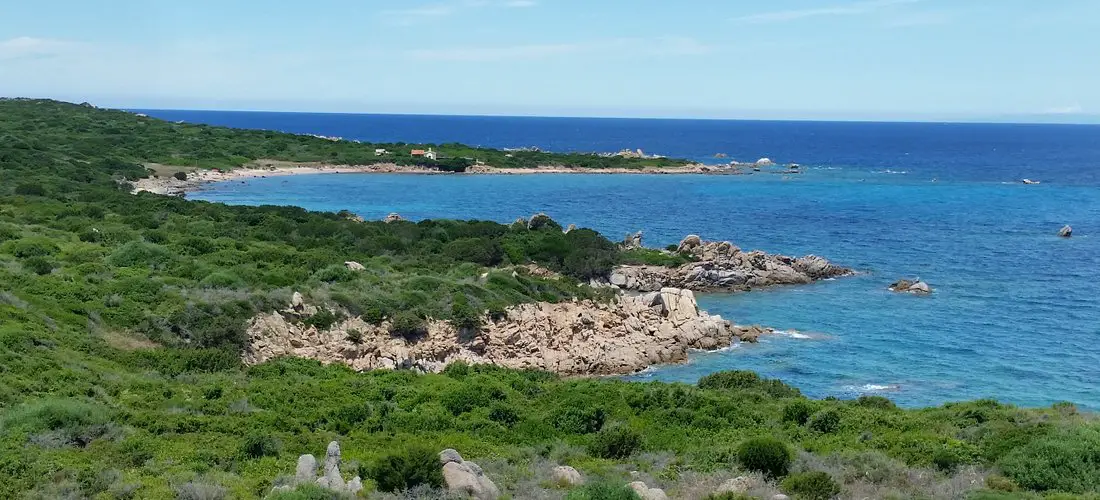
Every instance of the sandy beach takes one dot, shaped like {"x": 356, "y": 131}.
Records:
{"x": 164, "y": 183}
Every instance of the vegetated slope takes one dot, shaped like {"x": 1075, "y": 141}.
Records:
{"x": 121, "y": 318}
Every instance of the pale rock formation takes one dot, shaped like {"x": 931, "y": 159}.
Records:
{"x": 632, "y": 241}
{"x": 722, "y": 266}
{"x": 306, "y": 472}
{"x": 780, "y": 496}
{"x": 538, "y": 220}
{"x": 917, "y": 287}
{"x": 1066, "y": 231}
{"x": 571, "y": 228}
{"x": 466, "y": 478}
{"x": 764, "y": 162}
{"x": 393, "y": 217}
{"x": 571, "y": 338}
{"x": 740, "y": 484}
{"x": 646, "y": 493}
{"x": 354, "y": 266}
{"x": 566, "y": 476}
{"x": 297, "y": 303}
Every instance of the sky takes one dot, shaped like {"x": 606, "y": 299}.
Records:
{"x": 938, "y": 60}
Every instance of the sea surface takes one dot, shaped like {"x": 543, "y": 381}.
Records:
{"x": 1016, "y": 311}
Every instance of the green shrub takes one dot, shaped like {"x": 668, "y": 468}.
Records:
{"x": 798, "y": 411}
{"x": 814, "y": 485}
{"x": 615, "y": 442}
{"x": 30, "y": 189}
{"x": 766, "y": 455}
{"x": 30, "y": 247}
{"x": 602, "y": 491}
{"x": 374, "y": 315}
{"x": 463, "y": 315}
{"x": 575, "y": 419}
{"x": 877, "y": 402}
{"x": 406, "y": 469}
{"x": 308, "y": 491}
{"x": 258, "y": 445}
{"x": 408, "y": 325}
{"x": 180, "y": 176}
{"x": 323, "y": 319}
{"x": 740, "y": 379}
{"x": 137, "y": 253}
{"x": 997, "y": 482}
{"x": 825, "y": 421}
{"x": 947, "y": 459}
{"x": 1066, "y": 461}
{"x": 39, "y": 265}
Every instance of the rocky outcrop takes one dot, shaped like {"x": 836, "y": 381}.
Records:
{"x": 393, "y": 217}
{"x": 306, "y": 472}
{"x": 632, "y": 241}
{"x": 1066, "y": 231}
{"x": 907, "y": 286}
{"x": 565, "y": 475}
{"x": 354, "y": 266}
{"x": 465, "y": 478}
{"x": 722, "y": 266}
{"x": 646, "y": 493}
{"x": 625, "y": 335}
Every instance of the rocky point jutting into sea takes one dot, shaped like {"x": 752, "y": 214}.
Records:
{"x": 652, "y": 319}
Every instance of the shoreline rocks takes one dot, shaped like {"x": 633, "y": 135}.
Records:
{"x": 722, "y": 266}
{"x": 627, "y": 335}
{"x": 916, "y": 287}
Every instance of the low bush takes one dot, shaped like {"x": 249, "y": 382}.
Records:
{"x": 575, "y": 419}
{"x": 408, "y": 325}
{"x": 878, "y": 402}
{"x": 814, "y": 485}
{"x": 743, "y": 380}
{"x": 1066, "y": 461}
{"x": 798, "y": 411}
{"x": 602, "y": 491}
{"x": 615, "y": 442}
{"x": 407, "y": 469}
{"x": 825, "y": 421}
{"x": 259, "y": 445}
{"x": 180, "y": 176}
{"x": 766, "y": 455}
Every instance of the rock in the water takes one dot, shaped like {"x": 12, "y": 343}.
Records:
{"x": 911, "y": 286}
{"x": 920, "y": 287}
{"x": 393, "y": 217}
{"x": 739, "y": 484}
{"x": 566, "y": 476}
{"x": 466, "y": 478}
{"x": 354, "y": 266}
{"x": 646, "y": 493}
{"x": 1066, "y": 231}
{"x": 632, "y": 241}
{"x": 306, "y": 470}
{"x": 722, "y": 266}
{"x": 764, "y": 162}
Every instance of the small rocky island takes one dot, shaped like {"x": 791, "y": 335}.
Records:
{"x": 720, "y": 266}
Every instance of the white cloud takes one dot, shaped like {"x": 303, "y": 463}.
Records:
{"x": 621, "y": 47}
{"x": 849, "y": 9}
{"x": 446, "y": 9}
{"x": 1073, "y": 109}
{"x": 30, "y": 47}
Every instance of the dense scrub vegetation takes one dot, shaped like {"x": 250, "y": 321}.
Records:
{"x": 121, "y": 318}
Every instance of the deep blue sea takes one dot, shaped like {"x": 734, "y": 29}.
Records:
{"x": 1016, "y": 312}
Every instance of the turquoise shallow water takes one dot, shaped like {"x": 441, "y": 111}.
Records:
{"x": 1015, "y": 316}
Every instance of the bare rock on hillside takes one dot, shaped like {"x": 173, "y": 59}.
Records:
{"x": 393, "y": 217}
{"x": 585, "y": 337}
{"x": 632, "y": 241}
{"x": 566, "y": 476}
{"x": 466, "y": 478}
{"x": 354, "y": 266}
{"x": 646, "y": 493}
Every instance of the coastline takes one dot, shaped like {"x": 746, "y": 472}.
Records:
{"x": 196, "y": 178}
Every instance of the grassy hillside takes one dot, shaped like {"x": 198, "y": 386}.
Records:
{"x": 121, "y": 319}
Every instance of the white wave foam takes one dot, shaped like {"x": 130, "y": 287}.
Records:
{"x": 865, "y": 388}
{"x": 795, "y": 334}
